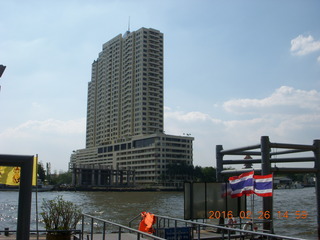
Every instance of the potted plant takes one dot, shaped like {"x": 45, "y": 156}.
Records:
{"x": 60, "y": 216}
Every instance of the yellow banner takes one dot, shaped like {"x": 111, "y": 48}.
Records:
{"x": 11, "y": 175}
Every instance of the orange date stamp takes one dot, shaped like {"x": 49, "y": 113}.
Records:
{"x": 258, "y": 214}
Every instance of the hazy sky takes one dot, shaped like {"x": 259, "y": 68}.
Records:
{"x": 235, "y": 70}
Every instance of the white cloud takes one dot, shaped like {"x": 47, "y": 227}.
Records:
{"x": 52, "y": 139}
{"x": 285, "y": 100}
{"x": 287, "y": 115}
{"x": 304, "y": 45}
{"x": 188, "y": 117}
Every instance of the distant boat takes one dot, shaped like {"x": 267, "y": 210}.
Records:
{"x": 293, "y": 185}
{"x": 43, "y": 188}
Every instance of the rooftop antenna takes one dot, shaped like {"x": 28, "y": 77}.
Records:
{"x": 129, "y": 24}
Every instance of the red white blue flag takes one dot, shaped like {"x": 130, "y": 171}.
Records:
{"x": 248, "y": 183}
{"x": 263, "y": 185}
{"x": 242, "y": 185}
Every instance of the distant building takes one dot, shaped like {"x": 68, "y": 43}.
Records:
{"x": 125, "y": 129}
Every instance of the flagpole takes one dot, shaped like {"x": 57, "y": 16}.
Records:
{"x": 252, "y": 207}
{"x": 37, "y": 219}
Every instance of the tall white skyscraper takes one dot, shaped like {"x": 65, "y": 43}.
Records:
{"x": 125, "y": 127}
{"x": 125, "y": 95}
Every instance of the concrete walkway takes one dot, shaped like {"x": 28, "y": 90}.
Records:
{"x": 32, "y": 237}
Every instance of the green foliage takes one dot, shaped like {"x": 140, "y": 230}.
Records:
{"x": 178, "y": 172}
{"x": 197, "y": 173}
{"x": 209, "y": 174}
{"x": 61, "y": 178}
{"x": 41, "y": 172}
{"x": 59, "y": 214}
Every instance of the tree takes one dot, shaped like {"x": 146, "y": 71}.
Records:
{"x": 179, "y": 171}
{"x": 41, "y": 172}
{"x": 61, "y": 178}
{"x": 197, "y": 174}
{"x": 204, "y": 174}
{"x": 209, "y": 174}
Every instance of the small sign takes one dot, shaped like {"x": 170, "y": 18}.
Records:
{"x": 179, "y": 233}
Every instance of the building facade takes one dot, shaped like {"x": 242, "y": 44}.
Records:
{"x": 125, "y": 127}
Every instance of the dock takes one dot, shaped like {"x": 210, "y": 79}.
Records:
{"x": 205, "y": 235}
{"x": 14, "y": 237}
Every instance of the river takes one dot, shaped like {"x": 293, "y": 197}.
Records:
{"x": 121, "y": 207}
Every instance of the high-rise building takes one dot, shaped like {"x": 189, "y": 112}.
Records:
{"x": 125, "y": 96}
{"x": 125, "y": 127}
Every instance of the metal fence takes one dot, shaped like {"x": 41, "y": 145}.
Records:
{"x": 198, "y": 229}
{"x": 108, "y": 227}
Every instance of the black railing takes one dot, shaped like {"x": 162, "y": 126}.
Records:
{"x": 108, "y": 227}
{"x": 199, "y": 229}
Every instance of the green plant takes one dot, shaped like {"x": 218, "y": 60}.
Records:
{"x": 59, "y": 214}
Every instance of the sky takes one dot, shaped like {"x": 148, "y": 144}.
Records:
{"x": 234, "y": 71}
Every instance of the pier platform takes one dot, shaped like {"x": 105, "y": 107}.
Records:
{"x": 205, "y": 235}
{"x": 14, "y": 237}
{"x": 115, "y": 236}
{"x": 109, "y": 236}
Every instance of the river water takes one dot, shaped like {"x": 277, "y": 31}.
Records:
{"x": 121, "y": 207}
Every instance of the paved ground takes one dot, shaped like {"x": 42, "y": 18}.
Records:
{"x": 32, "y": 237}
{"x": 111, "y": 236}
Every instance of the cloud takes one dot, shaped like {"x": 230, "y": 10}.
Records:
{"x": 188, "y": 117}
{"x": 287, "y": 115}
{"x": 52, "y": 139}
{"x": 50, "y": 126}
{"x": 304, "y": 45}
{"x": 285, "y": 100}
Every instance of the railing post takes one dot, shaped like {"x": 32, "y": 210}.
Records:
{"x": 316, "y": 144}
{"x": 266, "y": 169}
{"x": 219, "y": 163}
{"x": 104, "y": 231}
{"x": 222, "y": 232}
{"x": 198, "y": 229}
{"x": 175, "y": 229}
{"x": 119, "y": 235}
{"x": 91, "y": 229}
{"x": 82, "y": 227}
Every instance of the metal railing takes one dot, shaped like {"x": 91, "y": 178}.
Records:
{"x": 225, "y": 232}
{"x": 118, "y": 227}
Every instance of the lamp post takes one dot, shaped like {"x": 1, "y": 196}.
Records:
{"x": 2, "y": 68}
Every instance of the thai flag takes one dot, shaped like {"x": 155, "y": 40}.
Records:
{"x": 242, "y": 185}
{"x": 263, "y": 185}
{"x": 248, "y": 183}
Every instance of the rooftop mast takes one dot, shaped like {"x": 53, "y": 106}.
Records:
{"x": 129, "y": 24}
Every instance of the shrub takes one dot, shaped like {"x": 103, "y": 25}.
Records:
{"x": 59, "y": 214}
